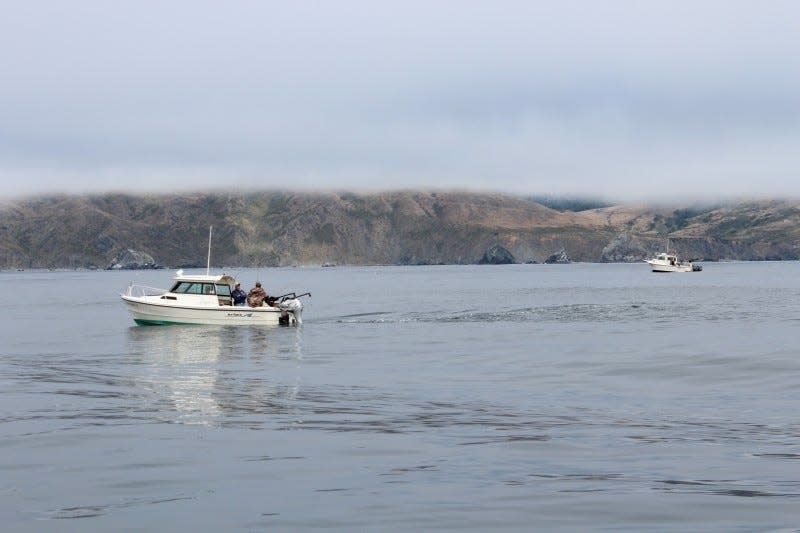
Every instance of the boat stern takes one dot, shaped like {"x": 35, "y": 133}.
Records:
{"x": 291, "y": 311}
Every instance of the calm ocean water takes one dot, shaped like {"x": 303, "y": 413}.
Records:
{"x": 574, "y": 397}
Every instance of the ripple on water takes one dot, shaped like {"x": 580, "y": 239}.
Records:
{"x": 663, "y": 313}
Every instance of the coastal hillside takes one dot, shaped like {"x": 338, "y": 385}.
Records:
{"x": 282, "y": 228}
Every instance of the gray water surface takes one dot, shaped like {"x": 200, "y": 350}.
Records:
{"x": 582, "y": 397}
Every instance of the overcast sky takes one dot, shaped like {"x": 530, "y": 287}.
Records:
{"x": 619, "y": 99}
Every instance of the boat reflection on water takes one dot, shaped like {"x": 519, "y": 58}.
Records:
{"x": 206, "y": 374}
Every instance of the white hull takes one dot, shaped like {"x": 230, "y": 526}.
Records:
{"x": 151, "y": 310}
{"x": 659, "y": 266}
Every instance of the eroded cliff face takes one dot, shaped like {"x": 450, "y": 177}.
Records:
{"x": 406, "y": 227}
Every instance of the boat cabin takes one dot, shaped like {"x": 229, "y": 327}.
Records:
{"x": 667, "y": 258}
{"x": 219, "y": 286}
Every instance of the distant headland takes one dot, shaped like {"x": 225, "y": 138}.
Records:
{"x": 281, "y": 228}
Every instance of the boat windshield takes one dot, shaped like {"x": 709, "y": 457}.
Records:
{"x": 190, "y": 287}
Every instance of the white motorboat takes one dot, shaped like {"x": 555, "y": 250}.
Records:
{"x": 669, "y": 262}
{"x": 666, "y": 262}
{"x": 206, "y": 299}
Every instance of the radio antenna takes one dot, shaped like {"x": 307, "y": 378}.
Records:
{"x": 208, "y": 263}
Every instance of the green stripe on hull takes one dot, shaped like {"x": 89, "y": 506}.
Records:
{"x": 145, "y": 322}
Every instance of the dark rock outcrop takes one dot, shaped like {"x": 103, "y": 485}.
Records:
{"x": 133, "y": 260}
{"x": 558, "y": 258}
{"x": 497, "y": 255}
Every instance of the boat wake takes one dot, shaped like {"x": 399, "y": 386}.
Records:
{"x": 661, "y": 313}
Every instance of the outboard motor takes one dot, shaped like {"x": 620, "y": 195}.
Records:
{"x": 294, "y": 307}
{"x": 291, "y": 306}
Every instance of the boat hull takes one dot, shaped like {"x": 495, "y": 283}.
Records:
{"x": 659, "y": 267}
{"x": 150, "y": 313}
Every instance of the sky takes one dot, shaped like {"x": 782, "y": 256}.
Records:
{"x": 622, "y": 100}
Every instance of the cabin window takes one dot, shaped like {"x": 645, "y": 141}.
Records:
{"x": 181, "y": 286}
{"x": 193, "y": 288}
{"x": 223, "y": 290}
{"x": 187, "y": 287}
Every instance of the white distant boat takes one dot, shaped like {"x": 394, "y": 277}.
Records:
{"x": 669, "y": 262}
{"x": 206, "y": 299}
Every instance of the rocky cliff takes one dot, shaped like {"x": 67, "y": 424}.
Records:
{"x": 285, "y": 228}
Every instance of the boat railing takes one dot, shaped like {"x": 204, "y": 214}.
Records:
{"x": 137, "y": 290}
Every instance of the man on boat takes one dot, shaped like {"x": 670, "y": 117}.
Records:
{"x": 256, "y": 296}
{"x": 238, "y": 295}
